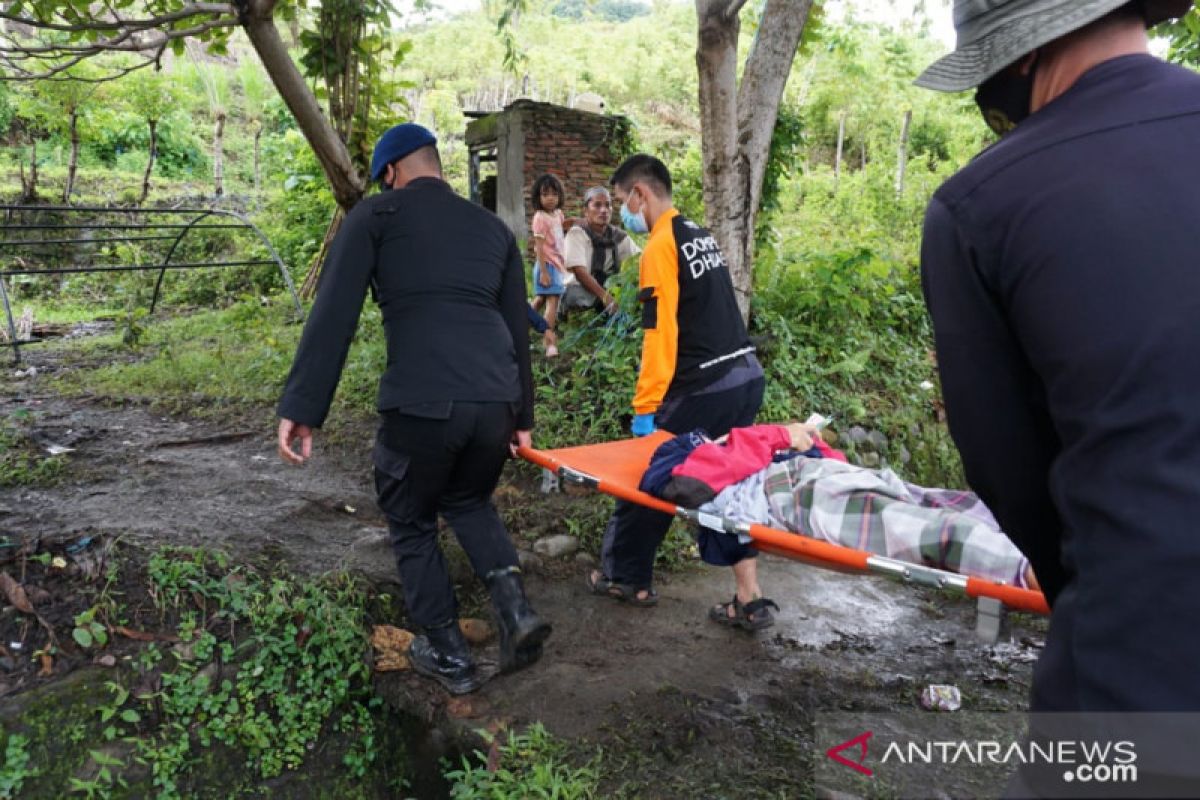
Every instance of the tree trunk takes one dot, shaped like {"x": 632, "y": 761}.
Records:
{"x": 73, "y": 163}
{"x": 837, "y": 158}
{"x": 29, "y": 187}
{"x": 312, "y": 280}
{"x": 257, "y": 158}
{"x": 725, "y": 173}
{"x": 737, "y": 122}
{"x": 345, "y": 182}
{"x": 219, "y": 155}
{"x": 902, "y": 156}
{"x": 153, "y": 123}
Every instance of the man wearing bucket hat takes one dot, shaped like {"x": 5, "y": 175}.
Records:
{"x": 1061, "y": 271}
{"x": 450, "y": 282}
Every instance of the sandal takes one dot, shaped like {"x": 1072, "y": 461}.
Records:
{"x": 753, "y": 616}
{"x": 599, "y": 584}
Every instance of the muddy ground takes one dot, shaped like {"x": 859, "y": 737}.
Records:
{"x": 675, "y": 705}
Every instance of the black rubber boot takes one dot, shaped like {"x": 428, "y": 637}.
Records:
{"x": 443, "y": 654}
{"x": 521, "y": 630}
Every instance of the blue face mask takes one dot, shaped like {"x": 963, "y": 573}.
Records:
{"x": 634, "y": 223}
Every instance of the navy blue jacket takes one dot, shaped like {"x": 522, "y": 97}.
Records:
{"x": 450, "y": 284}
{"x": 1062, "y": 271}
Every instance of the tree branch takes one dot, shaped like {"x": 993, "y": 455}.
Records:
{"x": 344, "y": 180}
{"x": 17, "y": 55}
{"x": 121, "y": 43}
{"x": 190, "y": 10}
{"x": 766, "y": 73}
{"x": 734, "y": 9}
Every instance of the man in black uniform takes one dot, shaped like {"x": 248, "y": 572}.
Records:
{"x": 457, "y": 393}
{"x": 1060, "y": 268}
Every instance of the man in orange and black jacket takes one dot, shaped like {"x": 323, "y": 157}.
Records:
{"x": 698, "y": 371}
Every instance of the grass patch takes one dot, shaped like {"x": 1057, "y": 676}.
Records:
{"x": 528, "y": 764}
{"x": 58, "y": 311}
{"x": 273, "y": 693}
{"x": 22, "y": 463}
{"x": 236, "y": 355}
{"x": 249, "y": 670}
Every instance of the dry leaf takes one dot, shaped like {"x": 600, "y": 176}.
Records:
{"x": 47, "y": 666}
{"x": 144, "y": 636}
{"x": 476, "y": 631}
{"x": 493, "y": 756}
{"x": 391, "y": 663}
{"x": 390, "y": 637}
{"x": 466, "y": 706}
{"x": 391, "y": 647}
{"x": 15, "y": 594}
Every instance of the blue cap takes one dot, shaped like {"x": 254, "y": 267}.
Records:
{"x": 396, "y": 143}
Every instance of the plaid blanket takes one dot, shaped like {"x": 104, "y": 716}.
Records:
{"x": 874, "y": 510}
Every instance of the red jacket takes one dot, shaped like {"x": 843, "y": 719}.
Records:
{"x": 745, "y": 452}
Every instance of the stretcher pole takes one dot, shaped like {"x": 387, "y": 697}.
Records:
{"x": 801, "y": 548}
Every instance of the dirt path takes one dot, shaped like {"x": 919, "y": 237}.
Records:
{"x": 679, "y": 705}
{"x": 213, "y": 483}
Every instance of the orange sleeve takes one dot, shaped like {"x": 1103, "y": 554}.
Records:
{"x": 658, "y": 293}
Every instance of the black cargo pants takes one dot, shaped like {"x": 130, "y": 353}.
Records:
{"x": 450, "y": 466}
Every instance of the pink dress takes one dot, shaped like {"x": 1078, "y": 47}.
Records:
{"x": 548, "y": 229}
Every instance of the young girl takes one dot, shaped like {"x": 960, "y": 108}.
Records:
{"x": 549, "y": 268}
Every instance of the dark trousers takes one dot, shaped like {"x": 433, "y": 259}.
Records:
{"x": 424, "y": 467}
{"x": 634, "y": 532}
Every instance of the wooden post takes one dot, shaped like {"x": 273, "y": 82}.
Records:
{"x": 219, "y": 154}
{"x": 837, "y": 163}
{"x": 902, "y": 157}
{"x": 473, "y": 176}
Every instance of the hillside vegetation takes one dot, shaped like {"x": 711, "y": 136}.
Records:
{"x": 837, "y": 310}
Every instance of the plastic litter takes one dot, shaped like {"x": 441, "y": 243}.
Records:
{"x": 941, "y": 697}
{"x": 79, "y": 545}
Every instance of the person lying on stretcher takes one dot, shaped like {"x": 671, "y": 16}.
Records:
{"x": 788, "y": 478}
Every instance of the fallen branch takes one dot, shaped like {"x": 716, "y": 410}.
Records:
{"x": 219, "y": 438}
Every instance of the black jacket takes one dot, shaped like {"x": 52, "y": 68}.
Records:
{"x": 449, "y": 280}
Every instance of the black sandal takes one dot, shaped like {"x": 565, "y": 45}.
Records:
{"x": 599, "y": 583}
{"x": 753, "y": 616}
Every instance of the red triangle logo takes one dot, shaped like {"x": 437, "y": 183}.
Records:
{"x": 860, "y": 743}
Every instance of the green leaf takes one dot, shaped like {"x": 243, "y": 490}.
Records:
{"x": 82, "y": 637}
{"x": 130, "y": 716}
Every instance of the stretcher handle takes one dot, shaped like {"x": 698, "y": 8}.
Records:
{"x": 1012, "y": 596}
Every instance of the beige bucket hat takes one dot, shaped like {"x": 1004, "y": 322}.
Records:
{"x": 994, "y": 33}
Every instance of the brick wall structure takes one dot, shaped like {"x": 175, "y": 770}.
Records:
{"x": 580, "y": 148}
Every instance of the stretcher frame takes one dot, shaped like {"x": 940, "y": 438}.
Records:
{"x": 596, "y": 467}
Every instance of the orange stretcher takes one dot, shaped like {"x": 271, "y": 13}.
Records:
{"x": 616, "y": 468}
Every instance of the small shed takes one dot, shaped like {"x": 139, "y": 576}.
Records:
{"x": 508, "y": 149}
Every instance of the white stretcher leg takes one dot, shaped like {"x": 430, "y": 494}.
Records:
{"x": 550, "y": 482}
